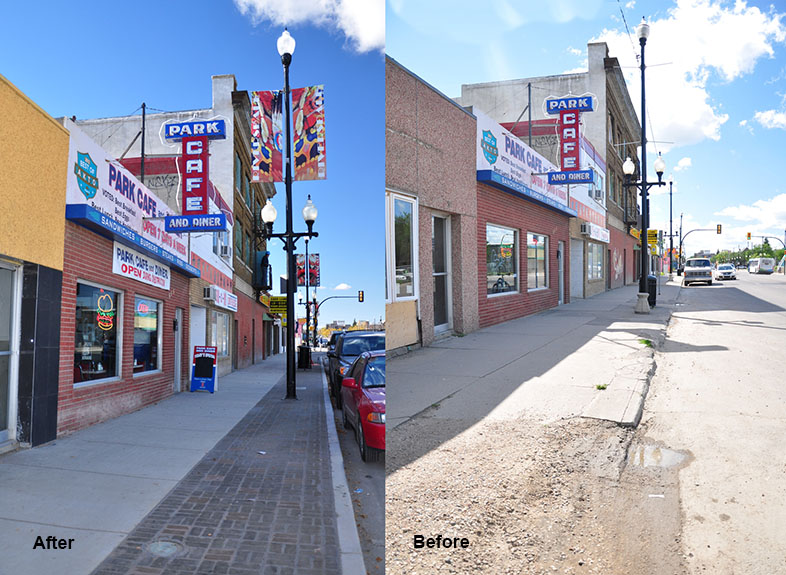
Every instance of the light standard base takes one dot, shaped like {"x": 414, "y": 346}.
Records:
{"x": 671, "y": 276}
{"x": 642, "y": 305}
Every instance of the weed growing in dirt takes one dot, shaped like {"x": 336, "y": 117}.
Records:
{"x": 601, "y": 386}
{"x": 646, "y": 342}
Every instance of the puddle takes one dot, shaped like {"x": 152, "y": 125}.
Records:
{"x": 164, "y": 548}
{"x": 655, "y": 456}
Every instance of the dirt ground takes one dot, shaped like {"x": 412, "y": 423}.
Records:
{"x": 536, "y": 498}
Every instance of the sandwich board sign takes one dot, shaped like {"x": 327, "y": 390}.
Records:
{"x": 204, "y": 376}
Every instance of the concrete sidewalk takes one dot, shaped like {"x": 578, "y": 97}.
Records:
{"x": 188, "y": 474}
{"x": 592, "y": 357}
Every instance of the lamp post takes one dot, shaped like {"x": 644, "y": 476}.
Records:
{"x": 286, "y": 47}
{"x": 307, "y": 281}
{"x": 642, "y": 305}
{"x": 671, "y": 235}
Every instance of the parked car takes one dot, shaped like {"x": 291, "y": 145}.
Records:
{"x": 363, "y": 393}
{"x": 725, "y": 272}
{"x": 697, "y": 270}
{"x": 349, "y": 345}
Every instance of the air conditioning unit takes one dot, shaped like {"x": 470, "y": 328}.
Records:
{"x": 598, "y": 194}
{"x": 585, "y": 229}
{"x": 225, "y": 251}
{"x": 209, "y": 293}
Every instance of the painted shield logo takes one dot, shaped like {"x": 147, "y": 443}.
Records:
{"x": 86, "y": 174}
{"x": 489, "y": 146}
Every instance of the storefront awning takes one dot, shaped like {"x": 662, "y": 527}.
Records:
{"x": 101, "y": 224}
{"x": 519, "y": 190}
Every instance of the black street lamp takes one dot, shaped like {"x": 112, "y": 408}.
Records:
{"x": 642, "y": 305}
{"x": 671, "y": 234}
{"x": 286, "y": 47}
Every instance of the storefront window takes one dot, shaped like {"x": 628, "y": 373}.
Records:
{"x": 537, "y": 248}
{"x": 95, "y": 340}
{"x": 595, "y": 262}
{"x": 219, "y": 332}
{"x": 402, "y": 236}
{"x": 147, "y": 314}
{"x": 501, "y": 260}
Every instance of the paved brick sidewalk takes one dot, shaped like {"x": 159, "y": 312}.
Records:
{"x": 239, "y": 511}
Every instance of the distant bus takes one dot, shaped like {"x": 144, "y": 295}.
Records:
{"x": 761, "y": 265}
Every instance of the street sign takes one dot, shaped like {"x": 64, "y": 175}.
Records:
{"x": 278, "y": 304}
{"x": 652, "y": 237}
{"x": 577, "y": 177}
{"x": 195, "y": 223}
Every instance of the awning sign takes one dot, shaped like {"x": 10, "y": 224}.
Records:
{"x": 132, "y": 264}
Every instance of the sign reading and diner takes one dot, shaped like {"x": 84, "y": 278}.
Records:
{"x": 196, "y": 223}
{"x": 577, "y": 177}
{"x": 135, "y": 265}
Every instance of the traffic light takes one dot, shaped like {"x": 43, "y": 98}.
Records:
{"x": 360, "y": 296}
{"x": 749, "y": 236}
{"x": 718, "y": 229}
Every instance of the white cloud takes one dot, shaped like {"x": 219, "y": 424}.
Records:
{"x": 771, "y": 119}
{"x": 575, "y": 51}
{"x": 342, "y": 286}
{"x": 698, "y": 40}
{"x": 361, "y": 21}
{"x": 630, "y": 5}
{"x": 683, "y": 164}
{"x": 764, "y": 214}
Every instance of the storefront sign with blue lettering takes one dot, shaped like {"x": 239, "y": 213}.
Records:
{"x": 577, "y": 177}
{"x": 208, "y": 223}
{"x": 578, "y": 103}
{"x": 203, "y": 370}
{"x": 213, "y": 129}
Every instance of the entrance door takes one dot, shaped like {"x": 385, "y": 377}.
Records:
{"x": 198, "y": 333}
{"x": 576, "y": 268}
{"x": 8, "y": 351}
{"x": 440, "y": 253}
{"x": 561, "y": 268}
{"x": 178, "y": 348}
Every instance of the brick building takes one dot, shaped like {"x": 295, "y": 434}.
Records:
{"x": 430, "y": 206}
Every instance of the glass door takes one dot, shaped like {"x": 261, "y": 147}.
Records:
{"x": 7, "y": 349}
{"x": 440, "y": 252}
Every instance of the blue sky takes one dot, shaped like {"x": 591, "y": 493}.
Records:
{"x": 716, "y": 88}
{"x": 96, "y": 59}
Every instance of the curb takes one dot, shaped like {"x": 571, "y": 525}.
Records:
{"x": 348, "y": 538}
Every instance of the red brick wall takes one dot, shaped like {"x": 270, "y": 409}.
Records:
{"x": 623, "y": 257}
{"x": 498, "y": 207}
{"x": 246, "y": 310}
{"x": 88, "y": 256}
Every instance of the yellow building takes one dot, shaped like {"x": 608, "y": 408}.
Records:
{"x": 33, "y": 164}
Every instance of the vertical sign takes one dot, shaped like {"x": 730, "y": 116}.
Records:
{"x": 308, "y": 122}
{"x": 194, "y": 173}
{"x": 569, "y": 140}
{"x": 266, "y": 137}
{"x": 203, "y": 370}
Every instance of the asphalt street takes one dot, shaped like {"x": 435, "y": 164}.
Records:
{"x": 718, "y": 395}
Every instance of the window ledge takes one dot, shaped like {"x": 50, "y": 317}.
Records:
{"x": 93, "y": 382}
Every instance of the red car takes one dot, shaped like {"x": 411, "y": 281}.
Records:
{"x": 363, "y": 403}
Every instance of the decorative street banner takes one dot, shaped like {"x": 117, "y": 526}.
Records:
{"x": 132, "y": 264}
{"x": 308, "y": 121}
{"x": 266, "y": 137}
{"x": 313, "y": 268}
{"x": 193, "y": 167}
{"x": 507, "y": 163}
{"x": 203, "y": 370}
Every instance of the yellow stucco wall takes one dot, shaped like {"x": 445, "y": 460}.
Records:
{"x": 401, "y": 325}
{"x": 33, "y": 168}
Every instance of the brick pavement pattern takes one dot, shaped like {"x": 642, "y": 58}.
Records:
{"x": 241, "y": 512}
